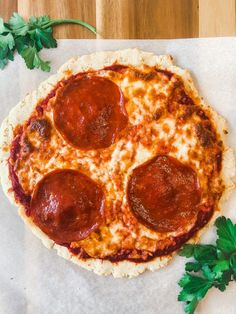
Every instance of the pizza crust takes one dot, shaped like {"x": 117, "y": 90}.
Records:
{"x": 20, "y": 113}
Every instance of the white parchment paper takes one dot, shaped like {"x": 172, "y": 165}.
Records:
{"x": 35, "y": 280}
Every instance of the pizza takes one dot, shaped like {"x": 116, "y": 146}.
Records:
{"x": 116, "y": 161}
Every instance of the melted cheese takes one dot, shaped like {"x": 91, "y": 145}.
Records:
{"x": 144, "y": 137}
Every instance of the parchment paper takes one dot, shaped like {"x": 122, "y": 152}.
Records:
{"x": 35, "y": 280}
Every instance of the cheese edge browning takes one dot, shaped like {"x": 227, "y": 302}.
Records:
{"x": 22, "y": 111}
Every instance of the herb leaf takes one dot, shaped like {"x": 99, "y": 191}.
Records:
{"x": 191, "y": 306}
{"x": 29, "y": 37}
{"x": 3, "y": 28}
{"x": 194, "y": 289}
{"x": 3, "y": 63}
{"x": 226, "y": 232}
{"x": 233, "y": 262}
{"x": 195, "y": 285}
{"x": 193, "y": 266}
{"x": 39, "y": 21}
{"x": 187, "y": 250}
{"x": 7, "y": 41}
{"x": 7, "y": 45}
{"x": 215, "y": 265}
{"x": 43, "y": 38}
{"x": 18, "y": 26}
{"x": 21, "y": 43}
{"x": 32, "y": 59}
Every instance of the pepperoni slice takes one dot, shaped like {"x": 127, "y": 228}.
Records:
{"x": 67, "y": 205}
{"x": 89, "y": 112}
{"x": 163, "y": 194}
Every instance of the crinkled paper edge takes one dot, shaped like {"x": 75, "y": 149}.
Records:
{"x": 22, "y": 111}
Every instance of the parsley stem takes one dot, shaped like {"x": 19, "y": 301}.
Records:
{"x": 71, "y": 21}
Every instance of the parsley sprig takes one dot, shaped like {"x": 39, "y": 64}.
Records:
{"x": 29, "y": 37}
{"x": 215, "y": 265}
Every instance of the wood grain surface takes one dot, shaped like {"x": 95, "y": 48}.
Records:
{"x": 142, "y": 19}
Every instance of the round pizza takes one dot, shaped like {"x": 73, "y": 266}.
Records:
{"x": 116, "y": 161}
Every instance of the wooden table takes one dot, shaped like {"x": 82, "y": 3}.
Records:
{"x": 134, "y": 18}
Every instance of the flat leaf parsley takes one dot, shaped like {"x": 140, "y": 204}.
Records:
{"x": 29, "y": 37}
{"x": 215, "y": 265}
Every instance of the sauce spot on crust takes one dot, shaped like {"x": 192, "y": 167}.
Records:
{"x": 178, "y": 97}
{"x": 157, "y": 115}
{"x": 219, "y": 161}
{"x": 144, "y": 76}
{"x": 20, "y": 195}
{"x": 27, "y": 146}
{"x": 164, "y": 194}
{"x": 67, "y": 205}
{"x": 205, "y": 136}
{"x": 116, "y": 68}
{"x": 42, "y": 127}
{"x": 89, "y": 112}
{"x": 202, "y": 114}
{"x": 168, "y": 74}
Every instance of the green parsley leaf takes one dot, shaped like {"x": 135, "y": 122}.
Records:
{"x": 22, "y": 42}
{"x": 221, "y": 255}
{"x": 194, "y": 289}
{"x": 10, "y": 55}
{"x": 199, "y": 252}
{"x": 28, "y": 38}
{"x": 207, "y": 272}
{"x": 39, "y": 21}
{"x": 187, "y": 250}
{"x": 3, "y": 53}
{"x": 43, "y": 38}
{"x": 221, "y": 266}
{"x": 184, "y": 280}
{"x": 18, "y": 26}
{"x": 227, "y": 276}
{"x": 205, "y": 253}
{"x": 3, "y": 28}
{"x": 222, "y": 282}
{"x": 3, "y": 63}
{"x": 226, "y": 232}
{"x": 233, "y": 262}
{"x": 193, "y": 266}
{"x": 197, "y": 286}
{"x": 7, "y": 46}
{"x": 32, "y": 59}
{"x": 191, "y": 306}
{"x": 7, "y": 41}
{"x": 215, "y": 265}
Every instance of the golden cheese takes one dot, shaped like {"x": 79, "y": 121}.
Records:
{"x": 157, "y": 125}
